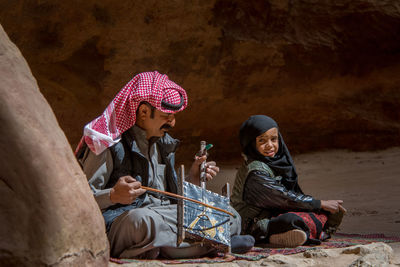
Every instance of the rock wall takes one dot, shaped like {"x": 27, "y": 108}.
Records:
{"x": 48, "y": 216}
{"x": 327, "y": 71}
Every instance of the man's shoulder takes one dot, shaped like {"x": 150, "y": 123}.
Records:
{"x": 118, "y": 150}
{"x": 90, "y": 158}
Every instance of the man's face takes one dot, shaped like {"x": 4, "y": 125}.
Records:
{"x": 159, "y": 124}
{"x": 268, "y": 143}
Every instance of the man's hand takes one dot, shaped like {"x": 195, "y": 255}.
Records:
{"x": 211, "y": 170}
{"x": 126, "y": 190}
{"x": 332, "y": 206}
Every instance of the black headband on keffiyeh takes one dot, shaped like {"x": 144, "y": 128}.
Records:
{"x": 282, "y": 163}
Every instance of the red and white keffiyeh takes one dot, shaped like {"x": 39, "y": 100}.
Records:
{"x": 120, "y": 114}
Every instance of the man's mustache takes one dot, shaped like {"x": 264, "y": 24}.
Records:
{"x": 166, "y": 126}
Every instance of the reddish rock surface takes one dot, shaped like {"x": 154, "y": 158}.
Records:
{"x": 48, "y": 216}
{"x": 327, "y": 71}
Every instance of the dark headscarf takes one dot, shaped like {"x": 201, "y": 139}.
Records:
{"x": 282, "y": 163}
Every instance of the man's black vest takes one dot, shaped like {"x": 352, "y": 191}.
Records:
{"x": 128, "y": 160}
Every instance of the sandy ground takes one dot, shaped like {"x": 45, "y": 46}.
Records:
{"x": 367, "y": 182}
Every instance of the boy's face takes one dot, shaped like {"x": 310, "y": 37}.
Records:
{"x": 268, "y": 143}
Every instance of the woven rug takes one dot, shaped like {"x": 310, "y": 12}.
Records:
{"x": 340, "y": 240}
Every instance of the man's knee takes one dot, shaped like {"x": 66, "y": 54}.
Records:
{"x": 141, "y": 218}
{"x": 133, "y": 227}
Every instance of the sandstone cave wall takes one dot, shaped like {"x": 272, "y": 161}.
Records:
{"x": 327, "y": 71}
{"x": 48, "y": 216}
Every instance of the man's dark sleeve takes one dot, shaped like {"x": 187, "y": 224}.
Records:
{"x": 263, "y": 191}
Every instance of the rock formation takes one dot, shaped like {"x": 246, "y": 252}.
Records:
{"x": 327, "y": 71}
{"x": 48, "y": 216}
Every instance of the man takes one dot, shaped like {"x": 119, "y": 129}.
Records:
{"x": 128, "y": 146}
